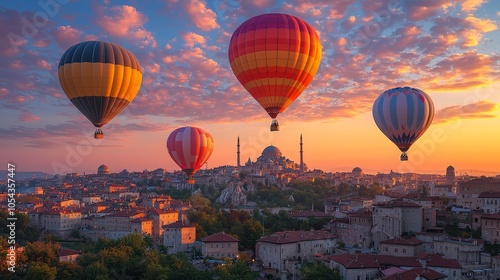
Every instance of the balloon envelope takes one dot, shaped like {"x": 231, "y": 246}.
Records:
{"x": 100, "y": 79}
{"x": 190, "y": 147}
{"x": 275, "y": 56}
{"x": 403, "y": 114}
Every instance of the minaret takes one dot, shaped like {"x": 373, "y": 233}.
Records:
{"x": 238, "y": 154}
{"x": 301, "y": 156}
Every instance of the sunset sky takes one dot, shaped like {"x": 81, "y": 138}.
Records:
{"x": 449, "y": 49}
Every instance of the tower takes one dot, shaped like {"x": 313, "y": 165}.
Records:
{"x": 301, "y": 156}
{"x": 238, "y": 153}
{"x": 450, "y": 175}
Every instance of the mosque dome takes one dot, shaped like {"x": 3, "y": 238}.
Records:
{"x": 271, "y": 151}
{"x": 450, "y": 169}
{"x": 103, "y": 169}
{"x": 357, "y": 171}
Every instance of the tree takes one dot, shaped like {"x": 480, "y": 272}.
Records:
{"x": 315, "y": 270}
{"x": 236, "y": 271}
{"x": 43, "y": 252}
{"x": 69, "y": 271}
{"x": 39, "y": 270}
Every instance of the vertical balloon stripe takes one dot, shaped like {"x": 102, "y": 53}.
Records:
{"x": 393, "y": 111}
{"x": 190, "y": 148}
{"x": 411, "y": 107}
{"x": 403, "y": 115}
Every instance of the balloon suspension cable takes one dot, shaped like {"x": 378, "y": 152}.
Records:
{"x": 275, "y": 126}
{"x": 98, "y": 134}
{"x": 404, "y": 156}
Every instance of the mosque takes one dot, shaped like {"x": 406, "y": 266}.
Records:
{"x": 271, "y": 161}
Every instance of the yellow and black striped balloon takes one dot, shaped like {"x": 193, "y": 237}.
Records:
{"x": 100, "y": 79}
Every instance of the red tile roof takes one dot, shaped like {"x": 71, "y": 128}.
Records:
{"x": 403, "y": 241}
{"x": 412, "y": 274}
{"x": 434, "y": 260}
{"x": 372, "y": 261}
{"x": 219, "y": 237}
{"x": 178, "y": 225}
{"x": 285, "y": 237}
{"x": 489, "y": 195}
{"x": 63, "y": 252}
{"x": 495, "y": 216}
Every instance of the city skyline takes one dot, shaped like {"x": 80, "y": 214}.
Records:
{"x": 449, "y": 49}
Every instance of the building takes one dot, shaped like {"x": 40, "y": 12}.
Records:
{"x": 490, "y": 228}
{"x": 162, "y": 218}
{"x": 60, "y": 222}
{"x": 401, "y": 247}
{"x": 465, "y": 251}
{"x": 103, "y": 170}
{"x": 368, "y": 266}
{"x": 355, "y": 229}
{"x": 490, "y": 202}
{"x": 416, "y": 273}
{"x": 68, "y": 255}
{"x": 468, "y": 191}
{"x": 281, "y": 250}
{"x": 392, "y": 219}
{"x": 450, "y": 175}
{"x": 220, "y": 245}
{"x": 178, "y": 237}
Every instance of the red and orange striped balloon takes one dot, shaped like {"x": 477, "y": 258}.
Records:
{"x": 190, "y": 147}
{"x": 275, "y": 57}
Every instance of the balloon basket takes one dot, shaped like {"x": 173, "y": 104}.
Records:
{"x": 98, "y": 134}
{"x": 275, "y": 126}
{"x": 190, "y": 181}
{"x": 404, "y": 156}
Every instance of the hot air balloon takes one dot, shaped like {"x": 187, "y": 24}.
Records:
{"x": 100, "y": 79}
{"x": 275, "y": 56}
{"x": 403, "y": 114}
{"x": 190, "y": 147}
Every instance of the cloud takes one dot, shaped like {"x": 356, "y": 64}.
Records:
{"x": 28, "y": 117}
{"x": 479, "y": 110}
{"x": 67, "y": 36}
{"x": 126, "y": 22}
{"x": 192, "y": 38}
{"x": 203, "y": 17}
{"x": 471, "y": 5}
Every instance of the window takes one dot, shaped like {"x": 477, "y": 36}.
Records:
{"x": 404, "y": 250}
{"x": 396, "y": 250}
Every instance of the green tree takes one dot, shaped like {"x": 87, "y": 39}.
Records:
{"x": 43, "y": 252}
{"x": 69, "y": 271}
{"x": 315, "y": 270}
{"x": 237, "y": 271}
{"x": 39, "y": 270}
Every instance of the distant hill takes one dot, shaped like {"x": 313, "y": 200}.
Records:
{"x": 25, "y": 175}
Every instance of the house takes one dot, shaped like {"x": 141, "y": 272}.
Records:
{"x": 391, "y": 219}
{"x": 490, "y": 202}
{"x": 60, "y": 222}
{"x": 465, "y": 251}
{"x": 161, "y": 218}
{"x": 416, "y": 273}
{"x": 367, "y": 266}
{"x": 178, "y": 237}
{"x": 68, "y": 255}
{"x": 490, "y": 227}
{"x": 281, "y": 250}
{"x": 402, "y": 247}
{"x": 220, "y": 245}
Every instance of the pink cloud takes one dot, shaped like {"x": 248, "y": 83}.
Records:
{"x": 126, "y": 22}
{"x": 471, "y": 5}
{"x": 43, "y": 64}
{"x": 202, "y": 16}
{"x": 67, "y": 36}
{"x": 479, "y": 110}
{"x": 28, "y": 117}
{"x": 192, "y": 38}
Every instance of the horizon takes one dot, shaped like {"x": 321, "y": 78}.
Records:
{"x": 448, "y": 49}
